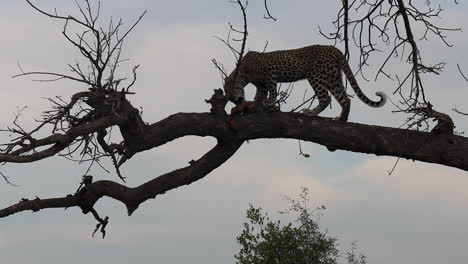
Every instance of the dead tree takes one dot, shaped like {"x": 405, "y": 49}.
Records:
{"x": 81, "y": 124}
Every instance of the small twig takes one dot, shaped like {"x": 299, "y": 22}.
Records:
{"x": 7, "y": 179}
{"x": 102, "y": 223}
{"x": 459, "y": 112}
{"x": 244, "y": 39}
{"x": 394, "y": 166}
{"x": 220, "y": 68}
{"x": 463, "y": 75}
{"x": 304, "y": 103}
{"x": 58, "y": 75}
{"x": 305, "y": 155}
{"x": 268, "y": 15}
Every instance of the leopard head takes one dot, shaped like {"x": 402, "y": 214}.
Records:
{"x": 233, "y": 90}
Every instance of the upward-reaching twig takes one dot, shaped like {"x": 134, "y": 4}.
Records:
{"x": 244, "y": 37}
{"x": 238, "y": 53}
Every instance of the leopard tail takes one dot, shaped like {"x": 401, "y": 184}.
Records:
{"x": 349, "y": 75}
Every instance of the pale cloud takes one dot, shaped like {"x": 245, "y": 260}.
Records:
{"x": 2, "y": 240}
{"x": 36, "y": 234}
{"x": 176, "y": 72}
{"x": 414, "y": 181}
{"x": 289, "y": 181}
{"x": 272, "y": 169}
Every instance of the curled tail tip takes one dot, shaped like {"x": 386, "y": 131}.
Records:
{"x": 383, "y": 99}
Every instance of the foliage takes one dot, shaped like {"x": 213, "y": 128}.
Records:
{"x": 266, "y": 241}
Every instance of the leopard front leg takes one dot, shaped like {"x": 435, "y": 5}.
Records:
{"x": 261, "y": 94}
{"x": 271, "y": 102}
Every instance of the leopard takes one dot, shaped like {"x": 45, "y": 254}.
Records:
{"x": 320, "y": 65}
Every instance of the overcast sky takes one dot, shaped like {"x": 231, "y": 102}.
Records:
{"x": 416, "y": 215}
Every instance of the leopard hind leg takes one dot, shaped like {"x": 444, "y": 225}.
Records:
{"x": 321, "y": 92}
{"x": 338, "y": 91}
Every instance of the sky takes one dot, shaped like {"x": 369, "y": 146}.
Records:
{"x": 416, "y": 215}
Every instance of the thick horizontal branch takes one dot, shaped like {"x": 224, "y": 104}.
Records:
{"x": 445, "y": 149}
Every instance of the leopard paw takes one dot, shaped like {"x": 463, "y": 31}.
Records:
{"x": 272, "y": 108}
{"x": 309, "y": 112}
